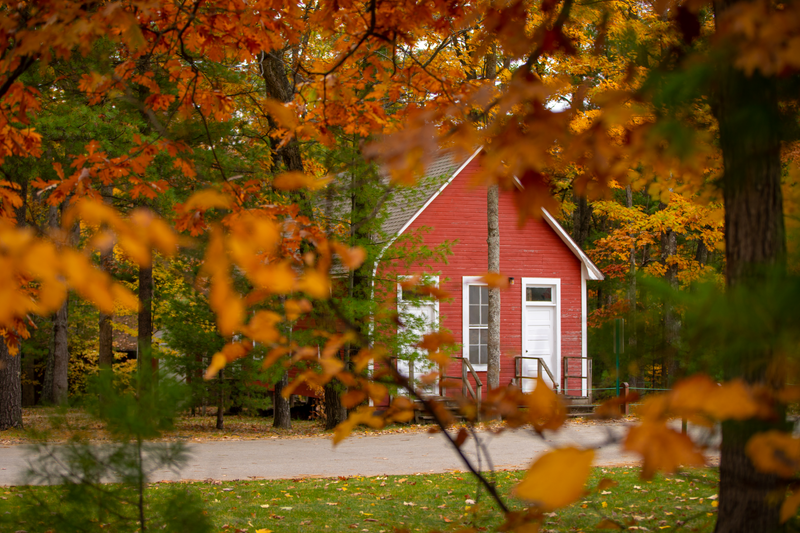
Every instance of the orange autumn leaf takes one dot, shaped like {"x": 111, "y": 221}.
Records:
{"x": 661, "y": 448}
{"x": 789, "y": 506}
{"x": 362, "y": 415}
{"x": 495, "y": 280}
{"x": 352, "y": 258}
{"x": 774, "y": 452}
{"x": 290, "y": 181}
{"x": 433, "y": 341}
{"x": 545, "y": 409}
{"x": 208, "y": 199}
{"x": 315, "y": 284}
{"x": 557, "y": 478}
{"x": 733, "y": 400}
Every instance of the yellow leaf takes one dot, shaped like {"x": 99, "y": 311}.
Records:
{"x": 263, "y": 530}
{"x": 774, "y": 452}
{"x": 557, "y": 478}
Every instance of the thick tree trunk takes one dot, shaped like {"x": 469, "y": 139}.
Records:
{"x": 335, "y": 413}
{"x": 106, "y": 348}
{"x": 10, "y": 389}
{"x": 755, "y": 248}
{"x": 280, "y": 405}
{"x": 493, "y": 240}
{"x": 61, "y": 354}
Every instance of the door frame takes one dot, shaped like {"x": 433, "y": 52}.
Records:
{"x": 555, "y": 283}
{"x": 434, "y": 304}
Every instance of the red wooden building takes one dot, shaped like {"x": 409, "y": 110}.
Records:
{"x": 543, "y": 314}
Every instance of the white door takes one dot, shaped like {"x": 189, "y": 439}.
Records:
{"x": 418, "y": 318}
{"x": 539, "y": 334}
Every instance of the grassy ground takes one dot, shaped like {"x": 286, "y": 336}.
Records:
{"x": 445, "y": 502}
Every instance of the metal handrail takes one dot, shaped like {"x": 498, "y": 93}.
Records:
{"x": 588, "y": 377}
{"x": 542, "y": 365}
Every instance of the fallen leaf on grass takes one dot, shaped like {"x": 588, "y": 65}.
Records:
{"x": 605, "y": 523}
{"x": 264, "y": 506}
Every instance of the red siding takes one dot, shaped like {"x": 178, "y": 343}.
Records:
{"x": 533, "y": 251}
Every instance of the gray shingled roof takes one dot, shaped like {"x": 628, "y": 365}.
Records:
{"x": 407, "y": 201}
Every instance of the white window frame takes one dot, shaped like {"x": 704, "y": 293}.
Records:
{"x": 555, "y": 283}
{"x": 466, "y": 281}
{"x": 436, "y": 317}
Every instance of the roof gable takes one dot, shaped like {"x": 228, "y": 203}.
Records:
{"x": 438, "y": 176}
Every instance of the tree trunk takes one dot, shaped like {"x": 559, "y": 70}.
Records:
{"x": 29, "y": 377}
{"x": 280, "y": 406}
{"x": 61, "y": 354}
{"x": 144, "y": 322}
{"x": 10, "y": 389}
{"x": 632, "y": 293}
{"x": 221, "y": 399}
{"x": 105, "y": 348}
{"x": 581, "y": 220}
{"x": 493, "y": 240}
{"x": 672, "y": 323}
{"x": 335, "y": 413}
{"x": 755, "y": 249}
{"x": 49, "y": 369}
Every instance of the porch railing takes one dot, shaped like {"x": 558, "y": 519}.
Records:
{"x": 467, "y": 389}
{"x": 542, "y": 368}
{"x": 587, "y": 377}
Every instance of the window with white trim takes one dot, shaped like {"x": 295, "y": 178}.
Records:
{"x": 478, "y": 324}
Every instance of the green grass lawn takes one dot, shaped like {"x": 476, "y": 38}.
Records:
{"x": 445, "y": 502}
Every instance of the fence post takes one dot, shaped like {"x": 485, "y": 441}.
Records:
{"x": 624, "y": 407}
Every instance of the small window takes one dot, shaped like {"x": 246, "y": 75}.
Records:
{"x": 538, "y": 294}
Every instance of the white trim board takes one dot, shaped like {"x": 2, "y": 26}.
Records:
{"x": 437, "y": 193}
{"x": 593, "y": 272}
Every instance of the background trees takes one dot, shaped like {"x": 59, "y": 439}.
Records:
{"x": 691, "y": 100}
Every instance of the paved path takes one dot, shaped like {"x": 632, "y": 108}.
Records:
{"x": 365, "y": 455}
